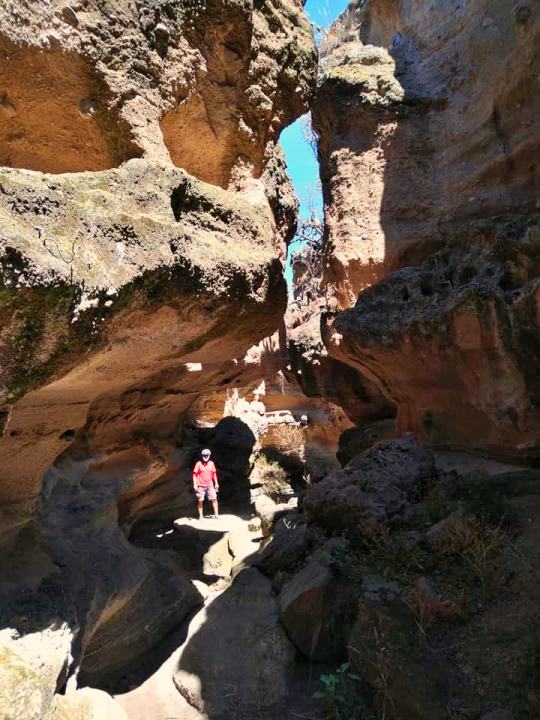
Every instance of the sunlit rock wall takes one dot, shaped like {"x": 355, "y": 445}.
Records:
{"x": 427, "y": 114}
{"x": 429, "y": 144}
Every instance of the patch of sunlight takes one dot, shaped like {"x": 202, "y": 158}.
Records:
{"x": 193, "y": 367}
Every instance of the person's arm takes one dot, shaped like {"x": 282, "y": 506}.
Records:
{"x": 214, "y": 478}
{"x": 195, "y": 476}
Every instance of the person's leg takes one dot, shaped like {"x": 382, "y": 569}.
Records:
{"x": 200, "y": 499}
{"x": 212, "y": 496}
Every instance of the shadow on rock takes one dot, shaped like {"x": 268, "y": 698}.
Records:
{"x": 238, "y": 662}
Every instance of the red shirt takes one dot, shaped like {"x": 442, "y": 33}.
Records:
{"x": 204, "y": 474}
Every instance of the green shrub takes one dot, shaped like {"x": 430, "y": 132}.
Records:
{"x": 340, "y": 696}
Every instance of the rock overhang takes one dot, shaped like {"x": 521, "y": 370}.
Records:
{"x": 101, "y": 246}
{"x": 208, "y": 84}
{"x": 458, "y": 347}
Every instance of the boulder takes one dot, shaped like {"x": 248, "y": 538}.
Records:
{"x": 292, "y": 540}
{"x": 314, "y": 614}
{"x": 376, "y": 488}
{"x": 32, "y": 664}
{"x": 243, "y": 547}
{"x": 87, "y": 704}
{"x": 150, "y": 603}
{"x": 209, "y": 546}
{"x": 413, "y": 683}
{"x": 247, "y": 674}
{"x": 269, "y": 512}
{"x": 357, "y": 440}
{"x": 24, "y": 691}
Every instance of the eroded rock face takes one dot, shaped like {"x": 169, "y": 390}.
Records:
{"x": 99, "y": 373}
{"x": 458, "y": 348}
{"x": 114, "y": 294}
{"x": 427, "y": 119}
{"x": 321, "y": 375}
{"x": 208, "y": 85}
{"x": 128, "y": 290}
{"x": 428, "y": 148}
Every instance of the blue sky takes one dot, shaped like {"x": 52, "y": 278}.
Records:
{"x": 302, "y": 165}
{"x": 324, "y": 12}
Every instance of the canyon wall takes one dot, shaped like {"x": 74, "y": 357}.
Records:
{"x": 428, "y": 132}
{"x": 429, "y": 142}
{"x": 404, "y": 562}
{"x": 144, "y": 215}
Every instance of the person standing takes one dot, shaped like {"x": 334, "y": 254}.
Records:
{"x": 205, "y": 482}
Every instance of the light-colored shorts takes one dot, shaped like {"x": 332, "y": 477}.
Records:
{"x": 206, "y": 492}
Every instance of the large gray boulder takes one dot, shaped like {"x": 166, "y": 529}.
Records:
{"x": 237, "y": 659}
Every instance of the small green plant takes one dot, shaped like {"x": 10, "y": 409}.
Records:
{"x": 339, "y": 695}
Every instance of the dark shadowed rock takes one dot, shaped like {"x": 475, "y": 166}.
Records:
{"x": 357, "y": 440}
{"x": 375, "y": 488}
{"x": 293, "y": 539}
{"x": 314, "y": 614}
{"x": 382, "y": 648}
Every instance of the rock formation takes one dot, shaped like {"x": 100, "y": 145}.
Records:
{"x": 428, "y": 132}
{"x": 127, "y": 291}
{"x": 428, "y": 142}
{"x": 209, "y": 85}
{"x": 459, "y": 349}
{"x": 145, "y": 213}
{"x": 427, "y": 115}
